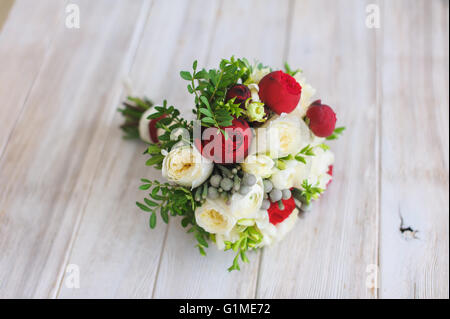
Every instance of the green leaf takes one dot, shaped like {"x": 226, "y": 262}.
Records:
{"x": 201, "y": 250}
{"x": 186, "y": 75}
{"x": 205, "y": 101}
{"x": 164, "y": 215}
{"x": 206, "y": 112}
{"x": 152, "y": 221}
{"x": 143, "y": 207}
{"x": 145, "y": 187}
{"x": 208, "y": 120}
{"x": 201, "y": 240}
{"x": 153, "y": 149}
{"x": 156, "y": 159}
{"x": 150, "y": 202}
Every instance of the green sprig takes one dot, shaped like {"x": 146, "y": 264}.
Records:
{"x": 336, "y": 133}
{"x": 249, "y": 238}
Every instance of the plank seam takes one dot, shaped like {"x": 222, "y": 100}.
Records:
{"x": 30, "y": 89}
{"x": 134, "y": 45}
{"x": 210, "y": 41}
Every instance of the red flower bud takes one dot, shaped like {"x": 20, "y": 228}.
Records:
{"x": 234, "y": 149}
{"x": 322, "y": 119}
{"x": 280, "y": 92}
{"x": 276, "y": 215}
{"x": 153, "y": 130}
{"x": 240, "y": 92}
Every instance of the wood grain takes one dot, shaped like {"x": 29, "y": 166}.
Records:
{"x": 49, "y": 162}
{"x": 68, "y": 182}
{"x": 414, "y": 150}
{"x": 24, "y": 45}
{"x": 327, "y": 253}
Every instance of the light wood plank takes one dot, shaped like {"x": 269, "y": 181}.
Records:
{"x": 49, "y": 163}
{"x": 26, "y": 31}
{"x": 326, "y": 254}
{"x": 132, "y": 249}
{"x": 253, "y": 29}
{"x": 414, "y": 150}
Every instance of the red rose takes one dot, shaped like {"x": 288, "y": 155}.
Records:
{"x": 234, "y": 149}
{"x": 280, "y": 92}
{"x": 240, "y": 92}
{"x": 276, "y": 215}
{"x": 153, "y": 130}
{"x": 322, "y": 119}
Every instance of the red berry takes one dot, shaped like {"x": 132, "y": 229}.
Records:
{"x": 322, "y": 119}
{"x": 276, "y": 215}
{"x": 240, "y": 92}
{"x": 280, "y": 92}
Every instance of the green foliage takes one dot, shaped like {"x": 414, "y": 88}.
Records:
{"x": 133, "y": 109}
{"x": 210, "y": 87}
{"x": 249, "y": 238}
{"x": 171, "y": 122}
{"x": 289, "y": 71}
{"x": 310, "y": 192}
{"x": 173, "y": 200}
{"x": 306, "y": 151}
{"x": 337, "y": 132}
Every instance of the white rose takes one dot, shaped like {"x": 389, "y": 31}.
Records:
{"x": 319, "y": 167}
{"x": 285, "y": 178}
{"x": 246, "y": 206}
{"x": 185, "y": 166}
{"x": 215, "y": 217}
{"x": 280, "y": 136}
{"x": 259, "y": 165}
{"x": 275, "y": 233}
{"x": 306, "y": 99}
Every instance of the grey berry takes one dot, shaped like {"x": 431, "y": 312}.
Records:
{"x": 249, "y": 179}
{"x": 275, "y": 195}
{"x": 268, "y": 186}
{"x": 213, "y": 193}
{"x": 286, "y": 194}
{"x": 244, "y": 190}
{"x": 234, "y": 171}
{"x": 265, "y": 204}
{"x": 215, "y": 180}
{"x": 226, "y": 184}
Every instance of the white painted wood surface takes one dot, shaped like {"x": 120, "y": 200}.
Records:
{"x": 68, "y": 182}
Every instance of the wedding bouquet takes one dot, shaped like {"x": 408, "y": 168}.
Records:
{"x": 251, "y": 160}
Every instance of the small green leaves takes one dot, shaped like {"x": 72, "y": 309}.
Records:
{"x": 133, "y": 109}
{"x": 310, "y": 192}
{"x": 337, "y": 132}
{"x": 289, "y": 71}
{"x": 306, "y": 151}
{"x": 250, "y": 237}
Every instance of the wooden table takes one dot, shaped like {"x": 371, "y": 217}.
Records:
{"x": 68, "y": 181}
